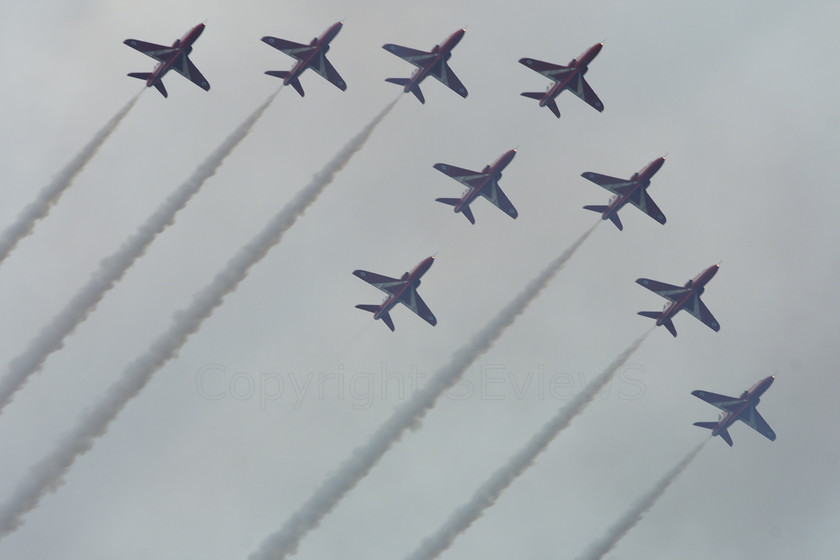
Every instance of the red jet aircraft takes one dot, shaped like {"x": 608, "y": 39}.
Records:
{"x": 429, "y": 64}
{"x": 632, "y": 190}
{"x": 313, "y": 55}
{"x": 484, "y": 183}
{"x": 686, "y": 297}
{"x": 565, "y": 77}
{"x": 402, "y": 291}
{"x": 741, "y": 408}
{"x": 175, "y": 58}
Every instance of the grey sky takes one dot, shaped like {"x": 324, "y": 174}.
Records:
{"x": 742, "y": 98}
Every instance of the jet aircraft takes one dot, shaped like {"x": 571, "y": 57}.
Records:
{"x": 741, "y": 408}
{"x": 632, "y": 190}
{"x": 402, "y": 290}
{"x": 432, "y": 63}
{"x": 313, "y": 55}
{"x": 686, "y": 297}
{"x": 484, "y": 183}
{"x": 565, "y": 77}
{"x": 175, "y": 58}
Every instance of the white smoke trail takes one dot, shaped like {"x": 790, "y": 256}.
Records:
{"x": 601, "y": 547}
{"x": 49, "y": 195}
{"x": 46, "y": 476}
{"x": 113, "y": 268}
{"x": 489, "y": 492}
{"x": 285, "y": 541}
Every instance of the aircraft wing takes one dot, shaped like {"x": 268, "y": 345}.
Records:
{"x": 413, "y": 56}
{"x": 472, "y": 179}
{"x": 612, "y": 184}
{"x": 727, "y": 404}
{"x": 184, "y": 66}
{"x": 581, "y": 88}
{"x": 494, "y": 194}
{"x": 668, "y": 291}
{"x": 447, "y": 77}
{"x": 384, "y": 283}
{"x": 158, "y": 52}
{"x": 554, "y": 72}
{"x": 295, "y": 50}
{"x": 698, "y": 309}
{"x": 754, "y": 420}
{"x": 413, "y": 301}
{"x": 645, "y": 203}
{"x": 328, "y": 71}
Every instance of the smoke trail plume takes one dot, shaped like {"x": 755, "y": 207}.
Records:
{"x": 113, "y": 268}
{"x": 489, "y": 492}
{"x": 49, "y": 195}
{"x": 285, "y": 541}
{"x": 47, "y": 475}
{"x": 600, "y": 548}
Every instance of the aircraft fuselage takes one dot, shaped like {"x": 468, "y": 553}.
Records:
{"x": 490, "y": 172}
{"x": 696, "y": 286}
{"x": 409, "y": 280}
{"x": 641, "y": 180}
{"x": 750, "y": 398}
{"x": 184, "y": 45}
{"x": 441, "y": 52}
{"x": 321, "y": 44}
{"x": 579, "y": 66}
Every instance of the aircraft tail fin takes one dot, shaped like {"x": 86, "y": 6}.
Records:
{"x": 283, "y": 75}
{"x": 655, "y": 315}
{"x": 650, "y": 314}
{"x": 466, "y": 211}
{"x": 403, "y": 82}
{"x": 553, "y": 106}
{"x": 145, "y": 76}
{"x": 454, "y": 202}
{"x": 601, "y": 209}
{"x": 298, "y": 88}
{"x": 386, "y": 318}
{"x": 724, "y": 434}
{"x": 533, "y": 94}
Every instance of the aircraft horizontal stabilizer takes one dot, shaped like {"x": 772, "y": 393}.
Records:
{"x": 551, "y": 104}
{"x": 277, "y": 74}
{"x": 449, "y": 201}
{"x": 650, "y": 314}
{"x": 707, "y": 425}
{"x": 533, "y": 94}
{"x": 468, "y": 213}
{"x": 596, "y": 208}
{"x": 386, "y": 318}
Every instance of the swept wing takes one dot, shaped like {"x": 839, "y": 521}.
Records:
{"x": 385, "y": 283}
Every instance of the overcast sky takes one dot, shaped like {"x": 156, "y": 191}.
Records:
{"x": 212, "y": 458}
